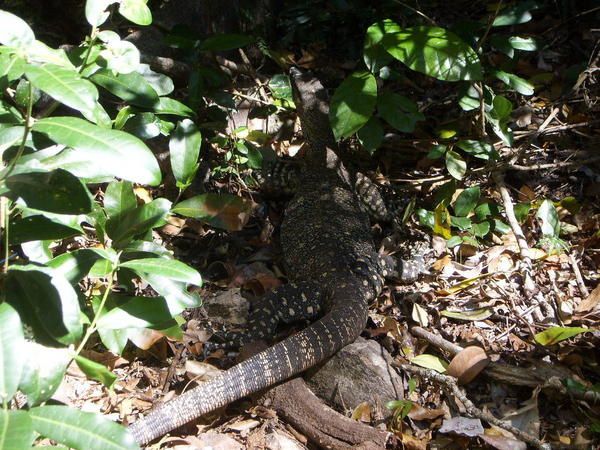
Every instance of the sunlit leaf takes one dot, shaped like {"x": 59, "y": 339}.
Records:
{"x": 352, "y": 104}
{"x": 554, "y": 335}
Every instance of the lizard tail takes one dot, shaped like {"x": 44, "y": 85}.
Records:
{"x": 289, "y": 357}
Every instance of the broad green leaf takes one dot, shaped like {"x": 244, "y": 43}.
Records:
{"x": 430, "y": 362}
{"x": 119, "y": 198}
{"x": 462, "y": 223}
{"x": 522, "y": 211}
{"x": 137, "y": 312}
{"x": 457, "y": 167}
{"x": 12, "y": 352}
{"x": 371, "y": 135}
{"x": 95, "y": 11}
{"x": 131, "y": 87}
{"x": 437, "y": 151}
{"x": 479, "y": 149}
{"x": 426, "y": 218}
{"x": 515, "y": 13}
{"x": 43, "y": 228}
{"x": 549, "y": 217}
{"x": 554, "y": 335}
{"x": 144, "y": 125}
{"x": 138, "y": 221}
{"x": 173, "y": 107}
{"x": 76, "y": 264}
{"x": 174, "y": 292}
{"x": 37, "y": 251}
{"x": 121, "y": 56}
{"x": 80, "y": 430}
{"x": 136, "y": 11}
{"x": 434, "y": 51}
{"x": 466, "y": 201}
{"x": 16, "y": 430}
{"x": 501, "y": 227}
{"x": 454, "y": 241}
{"x": 481, "y": 229}
{"x": 502, "y": 107}
{"x": 168, "y": 268}
{"x": 525, "y": 44}
{"x": 224, "y": 42}
{"x": 184, "y": 150}
{"x": 99, "y": 153}
{"x": 517, "y": 83}
{"x": 475, "y": 314}
{"x": 12, "y": 67}
{"x": 46, "y": 301}
{"x": 485, "y": 210}
{"x": 374, "y": 53}
{"x": 225, "y": 211}
{"x": 442, "y": 222}
{"x": 57, "y": 191}
{"x": 44, "y": 370}
{"x": 352, "y": 104}
{"x": 161, "y": 83}
{"x": 10, "y": 137}
{"x": 14, "y": 31}
{"x": 66, "y": 86}
{"x": 280, "y": 87}
{"x": 96, "y": 371}
{"x": 399, "y": 111}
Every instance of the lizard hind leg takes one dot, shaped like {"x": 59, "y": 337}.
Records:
{"x": 287, "y": 304}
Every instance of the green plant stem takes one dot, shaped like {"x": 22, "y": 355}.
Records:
{"x": 489, "y": 27}
{"x": 92, "y": 328}
{"x": 13, "y": 162}
{"x": 4, "y": 224}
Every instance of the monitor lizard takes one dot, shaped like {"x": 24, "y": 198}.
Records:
{"x": 334, "y": 268}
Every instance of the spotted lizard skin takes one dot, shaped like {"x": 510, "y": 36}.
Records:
{"x": 335, "y": 273}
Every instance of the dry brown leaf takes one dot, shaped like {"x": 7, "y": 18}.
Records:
{"x": 362, "y": 412}
{"x": 243, "y": 425}
{"x": 441, "y": 263}
{"x": 467, "y": 364}
{"x": 418, "y": 412}
{"x": 412, "y": 443}
{"x": 590, "y": 302}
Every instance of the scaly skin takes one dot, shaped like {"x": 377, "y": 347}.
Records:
{"x": 327, "y": 246}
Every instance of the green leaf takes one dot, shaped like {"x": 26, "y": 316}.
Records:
{"x": 57, "y": 191}
{"x": 170, "y": 106}
{"x": 80, "y": 430}
{"x": 136, "y": 11}
{"x": 224, "y": 42}
{"x": 66, "y": 86}
{"x": 114, "y": 153}
{"x": 174, "y": 292}
{"x": 550, "y": 221}
{"x": 352, "y": 104}
{"x": 501, "y": 227}
{"x": 517, "y": 83}
{"x": 426, "y": 218}
{"x": 131, "y": 87}
{"x": 120, "y": 56}
{"x": 76, "y": 264}
{"x": 144, "y": 125}
{"x": 14, "y": 31}
{"x": 169, "y": 268}
{"x": 399, "y": 111}
{"x": 502, "y": 107}
{"x": 43, "y": 372}
{"x": 462, "y": 223}
{"x": 481, "y": 229}
{"x": 95, "y": 11}
{"x": 225, "y": 211}
{"x": 434, "y": 51}
{"x": 280, "y": 87}
{"x": 466, "y": 201}
{"x": 430, "y": 362}
{"x": 374, "y": 53}
{"x": 16, "y": 429}
{"x": 119, "y": 198}
{"x": 162, "y": 84}
{"x": 437, "y": 151}
{"x": 10, "y": 137}
{"x": 96, "y": 371}
{"x": 471, "y": 315}
{"x": 457, "y": 167}
{"x": 138, "y": 221}
{"x": 46, "y": 301}
{"x": 525, "y": 44}
{"x": 137, "y": 312}
{"x": 12, "y": 352}
{"x": 42, "y": 228}
{"x": 371, "y": 135}
{"x": 516, "y": 13}
{"x": 479, "y": 149}
{"x": 522, "y": 211}
{"x": 184, "y": 150}
{"x": 454, "y": 241}
{"x": 554, "y": 335}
